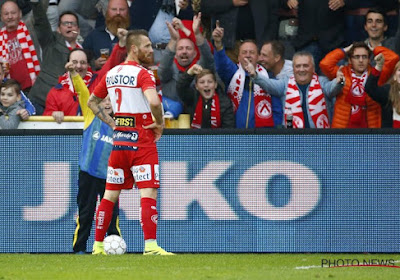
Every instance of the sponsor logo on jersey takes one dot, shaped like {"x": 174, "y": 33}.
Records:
{"x": 120, "y": 79}
{"x": 107, "y": 139}
{"x": 96, "y": 135}
{"x": 130, "y": 137}
{"x": 141, "y": 172}
{"x": 125, "y": 121}
{"x": 115, "y": 176}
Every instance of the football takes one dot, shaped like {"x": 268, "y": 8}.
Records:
{"x": 114, "y": 245}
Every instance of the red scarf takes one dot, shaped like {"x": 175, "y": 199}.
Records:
{"x": 215, "y": 113}
{"x": 78, "y": 46}
{"x": 183, "y": 69}
{"x": 27, "y": 47}
{"x": 66, "y": 82}
{"x": 357, "y": 97}
{"x": 262, "y": 100}
{"x": 316, "y": 104}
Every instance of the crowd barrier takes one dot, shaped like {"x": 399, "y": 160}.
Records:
{"x": 221, "y": 191}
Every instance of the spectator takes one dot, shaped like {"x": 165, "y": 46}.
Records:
{"x": 356, "y": 14}
{"x": 29, "y": 108}
{"x": 386, "y": 95}
{"x": 56, "y": 47}
{"x": 11, "y": 104}
{"x": 179, "y": 55}
{"x": 208, "y": 105}
{"x": 93, "y": 160}
{"x": 63, "y": 99}
{"x": 243, "y": 19}
{"x": 321, "y": 26}
{"x": 105, "y": 37}
{"x": 305, "y": 95}
{"x": 253, "y": 106}
{"x": 376, "y": 26}
{"x": 17, "y": 48}
{"x": 272, "y": 58}
{"x": 85, "y": 10}
{"x": 152, "y": 17}
{"x": 353, "y": 107}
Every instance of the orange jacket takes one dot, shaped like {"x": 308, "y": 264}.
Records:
{"x": 341, "y": 115}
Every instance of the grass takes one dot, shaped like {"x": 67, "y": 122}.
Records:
{"x": 191, "y": 266}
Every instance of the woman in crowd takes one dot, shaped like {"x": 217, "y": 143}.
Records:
{"x": 387, "y": 95}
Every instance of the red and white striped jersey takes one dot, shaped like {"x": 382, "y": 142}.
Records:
{"x": 125, "y": 84}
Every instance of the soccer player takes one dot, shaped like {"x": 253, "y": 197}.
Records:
{"x": 134, "y": 158}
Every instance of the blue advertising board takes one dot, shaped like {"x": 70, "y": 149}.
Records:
{"x": 292, "y": 192}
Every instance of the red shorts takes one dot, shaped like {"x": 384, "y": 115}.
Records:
{"x": 127, "y": 166}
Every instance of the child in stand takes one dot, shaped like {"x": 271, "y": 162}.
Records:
{"x": 11, "y": 105}
{"x": 208, "y": 105}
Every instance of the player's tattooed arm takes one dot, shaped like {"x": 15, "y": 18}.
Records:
{"x": 98, "y": 110}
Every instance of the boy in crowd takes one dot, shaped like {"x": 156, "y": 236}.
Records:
{"x": 11, "y": 104}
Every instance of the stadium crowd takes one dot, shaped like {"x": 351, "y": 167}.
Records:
{"x": 227, "y": 63}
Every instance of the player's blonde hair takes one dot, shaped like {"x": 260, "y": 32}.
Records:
{"x": 134, "y": 37}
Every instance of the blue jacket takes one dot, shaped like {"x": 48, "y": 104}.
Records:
{"x": 226, "y": 69}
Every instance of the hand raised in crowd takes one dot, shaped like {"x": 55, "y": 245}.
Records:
{"x": 249, "y": 67}
{"x": 183, "y": 4}
{"x": 178, "y": 25}
{"x": 346, "y": 49}
{"x": 238, "y": 3}
{"x": 380, "y": 60}
{"x": 292, "y": 4}
{"x": 100, "y": 62}
{"x": 70, "y": 67}
{"x": 336, "y": 4}
{"x": 196, "y": 29}
{"x": 195, "y": 70}
{"x": 173, "y": 32}
{"x": 217, "y": 36}
{"x": 23, "y": 114}
{"x": 58, "y": 116}
{"x": 121, "y": 34}
{"x": 340, "y": 76}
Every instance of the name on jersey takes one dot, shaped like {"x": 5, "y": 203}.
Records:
{"x": 125, "y": 121}
{"x": 120, "y": 79}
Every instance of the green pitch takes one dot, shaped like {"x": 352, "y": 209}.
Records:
{"x": 195, "y": 266}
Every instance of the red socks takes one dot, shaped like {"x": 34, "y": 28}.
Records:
{"x": 148, "y": 217}
{"x": 103, "y": 218}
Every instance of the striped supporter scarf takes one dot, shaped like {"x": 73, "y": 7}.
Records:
{"x": 215, "y": 113}
{"x": 316, "y": 104}
{"x": 357, "y": 97}
{"x": 66, "y": 82}
{"x": 28, "y": 49}
{"x": 396, "y": 119}
{"x": 262, "y": 100}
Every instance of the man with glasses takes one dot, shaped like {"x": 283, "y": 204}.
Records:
{"x": 353, "y": 107}
{"x": 63, "y": 99}
{"x": 56, "y": 47}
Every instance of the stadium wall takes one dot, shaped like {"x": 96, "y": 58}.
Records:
{"x": 230, "y": 191}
